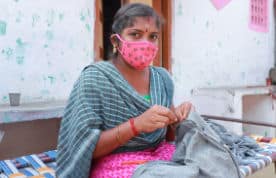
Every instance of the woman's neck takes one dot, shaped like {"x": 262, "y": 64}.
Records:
{"x": 138, "y": 79}
{"x": 125, "y": 69}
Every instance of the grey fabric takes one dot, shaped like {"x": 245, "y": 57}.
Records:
{"x": 243, "y": 148}
{"x": 102, "y": 99}
{"x": 166, "y": 169}
{"x": 197, "y": 147}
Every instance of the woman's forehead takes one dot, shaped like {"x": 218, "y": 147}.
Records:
{"x": 144, "y": 22}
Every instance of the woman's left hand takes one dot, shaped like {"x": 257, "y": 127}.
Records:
{"x": 182, "y": 111}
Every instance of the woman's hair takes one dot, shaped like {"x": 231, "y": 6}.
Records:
{"x": 125, "y": 16}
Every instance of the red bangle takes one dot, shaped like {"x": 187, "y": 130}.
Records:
{"x": 133, "y": 128}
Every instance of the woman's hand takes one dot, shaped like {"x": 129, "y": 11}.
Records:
{"x": 154, "y": 118}
{"x": 182, "y": 111}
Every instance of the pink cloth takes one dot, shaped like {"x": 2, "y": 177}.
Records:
{"x": 123, "y": 164}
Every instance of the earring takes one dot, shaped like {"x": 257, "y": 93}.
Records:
{"x": 114, "y": 50}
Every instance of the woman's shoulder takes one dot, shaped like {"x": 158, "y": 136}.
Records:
{"x": 167, "y": 81}
{"x": 97, "y": 65}
{"x": 162, "y": 71}
{"x": 165, "y": 75}
{"x": 95, "y": 68}
{"x": 92, "y": 76}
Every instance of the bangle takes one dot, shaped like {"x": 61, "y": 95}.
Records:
{"x": 118, "y": 138}
{"x": 133, "y": 128}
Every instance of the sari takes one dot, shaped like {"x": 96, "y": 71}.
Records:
{"x": 100, "y": 100}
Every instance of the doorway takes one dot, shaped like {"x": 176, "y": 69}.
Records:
{"x": 105, "y": 11}
{"x": 109, "y": 10}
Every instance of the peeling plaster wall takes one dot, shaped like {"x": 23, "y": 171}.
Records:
{"x": 45, "y": 44}
{"x": 216, "y": 48}
{"x": 43, "y": 47}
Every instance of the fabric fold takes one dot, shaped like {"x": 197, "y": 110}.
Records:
{"x": 100, "y": 100}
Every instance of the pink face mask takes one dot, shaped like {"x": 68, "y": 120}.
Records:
{"x": 138, "y": 54}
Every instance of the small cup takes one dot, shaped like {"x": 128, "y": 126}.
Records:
{"x": 268, "y": 81}
{"x": 14, "y": 99}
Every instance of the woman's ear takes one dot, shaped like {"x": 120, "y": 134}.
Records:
{"x": 115, "y": 43}
{"x": 114, "y": 40}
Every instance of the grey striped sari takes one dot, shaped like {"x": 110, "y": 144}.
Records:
{"x": 101, "y": 99}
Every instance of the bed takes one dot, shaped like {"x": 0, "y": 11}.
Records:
{"x": 43, "y": 164}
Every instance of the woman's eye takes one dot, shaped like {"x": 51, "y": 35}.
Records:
{"x": 135, "y": 35}
{"x": 154, "y": 37}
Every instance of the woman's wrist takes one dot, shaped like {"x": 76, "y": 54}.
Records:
{"x": 118, "y": 135}
{"x": 134, "y": 129}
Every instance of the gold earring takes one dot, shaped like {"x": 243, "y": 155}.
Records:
{"x": 114, "y": 50}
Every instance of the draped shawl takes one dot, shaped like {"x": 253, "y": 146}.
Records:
{"x": 102, "y": 99}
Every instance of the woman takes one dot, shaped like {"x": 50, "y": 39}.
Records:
{"x": 119, "y": 111}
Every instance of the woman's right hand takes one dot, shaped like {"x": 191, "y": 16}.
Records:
{"x": 154, "y": 118}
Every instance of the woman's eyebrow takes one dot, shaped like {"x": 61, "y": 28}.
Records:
{"x": 139, "y": 30}
{"x": 135, "y": 29}
{"x": 154, "y": 32}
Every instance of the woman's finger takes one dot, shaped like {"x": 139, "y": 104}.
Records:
{"x": 163, "y": 119}
{"x": 159, "y": 125}
{"x": 179, "y": 114}
{"x": 167, "y": 113}
{"x": 186, "y": 110}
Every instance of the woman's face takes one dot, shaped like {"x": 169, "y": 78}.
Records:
{"x": 143, "y": 29}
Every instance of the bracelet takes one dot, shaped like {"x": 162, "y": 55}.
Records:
{"x": 133, "y": 128}
{"x": 118, "y": 135}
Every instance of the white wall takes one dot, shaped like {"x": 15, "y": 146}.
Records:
{"x": 216, "y": 48}
{"x": 45, "y": 44}
{"x": 43, "y": 47}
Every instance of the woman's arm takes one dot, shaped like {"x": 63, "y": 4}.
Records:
{"x": 154, "y": 118}
{"x": 111, "y": 139}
